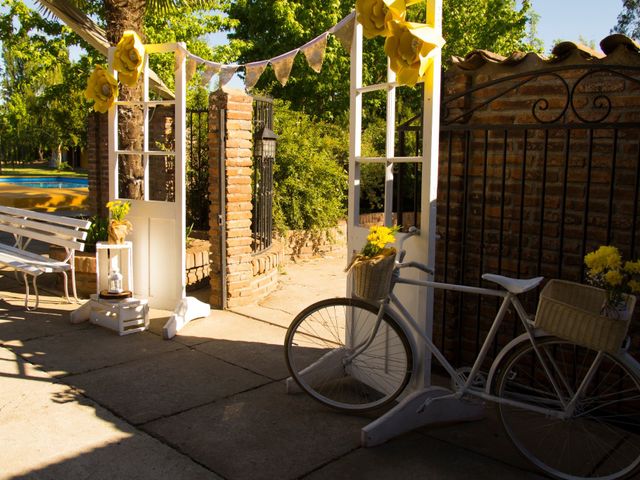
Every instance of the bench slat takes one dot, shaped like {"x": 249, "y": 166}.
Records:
{"x": 18, "y": 264}
{"x": 47, "y": 217}
{"x": 43, "y": 237}
{"x": 41, "y": 227}
{"x": 48, "y": 264}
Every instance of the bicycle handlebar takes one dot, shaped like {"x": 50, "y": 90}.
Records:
{"x": 402, "y": 252}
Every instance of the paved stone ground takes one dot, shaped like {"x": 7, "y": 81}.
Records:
{"x": 78, "y": 401}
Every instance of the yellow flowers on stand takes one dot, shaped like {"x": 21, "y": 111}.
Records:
{"x": 607, "y": 271}
{"x": 128, "y": 61}
{"x": 102, "y": 88}
{"x": 408, "y": 45}
{"x": 128, "y": 58}
{"x": 118, "y": 227}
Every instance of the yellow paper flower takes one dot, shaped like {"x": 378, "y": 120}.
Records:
{"x": 102, "y": 88}
{"x": 408, "y": 48}
{"x": 374, "y": 15}
{"x": 128, "y": 58}
{"x": 634, "y": 285}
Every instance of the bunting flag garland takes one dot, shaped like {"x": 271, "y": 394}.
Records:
{"x": 210, "y": 71}
{"x": 282, "y": 66}
{"x": 190, "y": 69}
{"x": 227, "y": 72}
{"x": 399, "y": 49}
{"x": 314, "y": 52}
{"x": 253, "y": 72}
{"x": 344, "y": 31}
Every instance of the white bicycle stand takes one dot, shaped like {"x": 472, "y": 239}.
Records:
{"x": 433, "y": 405}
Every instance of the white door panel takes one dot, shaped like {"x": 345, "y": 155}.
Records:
{"x": 158, "y": 235}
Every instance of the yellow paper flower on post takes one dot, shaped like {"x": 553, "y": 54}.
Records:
{"x": 374, "y": 15}
{"x": 128, "y": 58}
{"x": 102, "y": 88}
{"x": 408, "y": 49}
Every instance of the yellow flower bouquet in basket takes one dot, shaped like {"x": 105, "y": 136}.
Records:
{"x": 596, "y": 316}
{"x": 373, "y": 266}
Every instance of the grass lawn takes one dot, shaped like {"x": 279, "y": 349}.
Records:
{"x": 37, "y": 170}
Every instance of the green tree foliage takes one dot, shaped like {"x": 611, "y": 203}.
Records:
{"x": 41, "y": 106}
{"x": 629, "y": 19}
{"x": 266, "y": 29}
{"x": 310, "y": 178}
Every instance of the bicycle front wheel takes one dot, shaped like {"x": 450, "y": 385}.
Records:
{"x": 323, "y": 353}
{"x": 599, "y": 438}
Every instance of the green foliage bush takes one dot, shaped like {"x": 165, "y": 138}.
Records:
{"x": 310, "y": 172}
{"x": 97, "y": 233}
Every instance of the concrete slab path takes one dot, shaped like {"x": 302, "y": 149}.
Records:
{"x": 78, "y": 401}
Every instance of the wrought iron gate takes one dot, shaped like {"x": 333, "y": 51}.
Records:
{"x": 197, "y": 179}
{"x": 536, "y": 169}
{"x": 262, "y": 179}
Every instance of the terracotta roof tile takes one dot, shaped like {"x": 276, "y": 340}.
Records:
{"x": 562, "y": 52}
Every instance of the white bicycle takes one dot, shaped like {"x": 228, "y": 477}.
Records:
{"x": 574, "y": 412}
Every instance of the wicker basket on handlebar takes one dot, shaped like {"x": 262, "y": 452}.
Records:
{"x": 572, "y": 311}
{"x": 372, "y": 276}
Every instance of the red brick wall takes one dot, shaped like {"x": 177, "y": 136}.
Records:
{"x": 507, "y": 204}
{"x": 248, "y": 276}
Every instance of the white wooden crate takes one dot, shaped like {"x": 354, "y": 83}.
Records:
{"x": 123, "y": 316}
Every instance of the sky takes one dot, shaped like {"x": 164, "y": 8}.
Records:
{"x": 570, "y": 19}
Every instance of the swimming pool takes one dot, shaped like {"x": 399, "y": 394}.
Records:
{"x": 45, "y": 182}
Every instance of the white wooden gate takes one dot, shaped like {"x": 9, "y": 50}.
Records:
{"x": 158, "y": 223}
{"x": 420, "y": 248}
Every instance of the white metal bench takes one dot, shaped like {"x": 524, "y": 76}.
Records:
{"x": 26, "y": 226}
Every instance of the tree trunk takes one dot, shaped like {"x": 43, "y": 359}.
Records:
{"x": 124, "y": 15}
{"x": 56, "y": 157}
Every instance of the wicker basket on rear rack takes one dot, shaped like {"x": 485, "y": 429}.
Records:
{"x": 571, "y": 311}
{"x": 372, "y": 276}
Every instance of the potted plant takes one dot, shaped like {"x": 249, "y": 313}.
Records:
{"x": 373, "y": 266}
{"x": 119, "y": 228}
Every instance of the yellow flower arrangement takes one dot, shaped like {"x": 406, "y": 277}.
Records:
{"x": 118, "y": 209}
{"x": 118, "y": 227}
{"x": 102, "y": 88}
{"x": 606, "y": 270}
{"x": 128, "y": 58}
{"x": 379, "y": 237}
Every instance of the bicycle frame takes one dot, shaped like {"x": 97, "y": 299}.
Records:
{"x": 464, "y": 386}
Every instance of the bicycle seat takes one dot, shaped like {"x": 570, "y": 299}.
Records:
{"x": 513, "y": 285}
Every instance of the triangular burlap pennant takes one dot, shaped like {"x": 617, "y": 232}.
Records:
{"x": 190, "y": 69}
{"x": 208, "y": 73}
{"x": 314, "y": 52}
{"x": 344, "y": 31}
{"x": 226, "y": 74}
{"x": 253, "y": 72}
{"x": 282, "y": 66}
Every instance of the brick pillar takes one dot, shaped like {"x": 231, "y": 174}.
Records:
{"x": 232, "y": 149}
{"x": 98, "y": 163}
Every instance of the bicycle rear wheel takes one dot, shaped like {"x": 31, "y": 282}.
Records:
{"x": 600, "y": 439}
{"x": 318, "y": 346}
